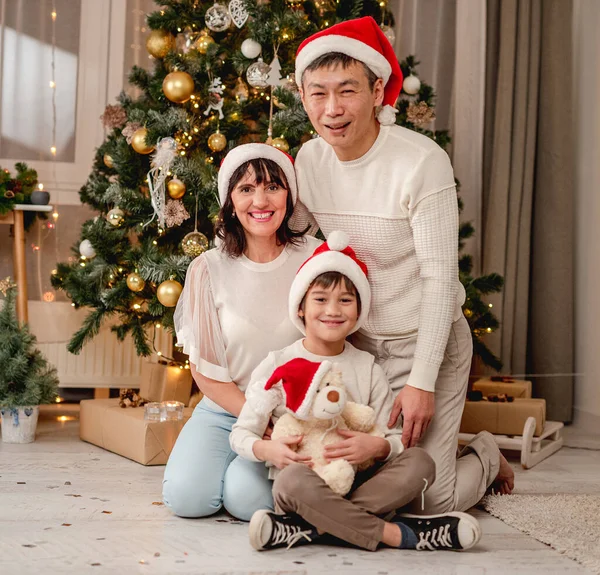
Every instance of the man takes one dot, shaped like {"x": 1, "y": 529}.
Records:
{"x": 393, "y": 191}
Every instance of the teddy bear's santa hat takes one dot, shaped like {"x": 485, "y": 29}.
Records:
{"x": 363, "y": 40}
{"x": 296, "y": 382}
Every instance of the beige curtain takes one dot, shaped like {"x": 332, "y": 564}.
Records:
{"x": 527, "y": 191}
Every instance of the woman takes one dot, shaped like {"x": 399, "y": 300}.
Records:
{"x": 231, "y": 314}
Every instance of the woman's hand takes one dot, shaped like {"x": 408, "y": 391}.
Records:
{"x": 357, "y": 448}
{"x": 279, "y": 452}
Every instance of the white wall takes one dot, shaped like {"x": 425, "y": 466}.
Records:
{"x": 586, "y": 40}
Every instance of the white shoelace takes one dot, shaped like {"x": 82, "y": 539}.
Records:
{"x": 289, "y": 534}
{"x": 423, "y": 494}
{"x": 435, "y": 539}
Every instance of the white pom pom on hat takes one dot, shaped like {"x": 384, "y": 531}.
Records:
{"x": 335, "y": 255}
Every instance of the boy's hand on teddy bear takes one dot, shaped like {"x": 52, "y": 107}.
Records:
{"x": 268, "y": 432}
{"x": 357, "y": 448}
{"x": 280, "y": 451}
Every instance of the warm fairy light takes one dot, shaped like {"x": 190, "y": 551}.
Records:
{"x": 48, "y": 296}
{"x": 72, "y": 305}
{"x": 159, "y": 353}
{"x": 55, "y": 215}
{"x": 187, "y": 367}
{"x": 40, "y": 186}
{"x": 120, "y": 269}
{"x": 490, "y": 305}
{"x": 63, "y": 418}
{"x": 82, "y": 264}
{"x": 35, "y": 247}
{"x": 489, "y": 330}
{"x": 136, "y": 306}
{"x": 52, "y": 84}
{"x": 53, "y": 150}
{"x": 154, "y": 242}
{"x": 58, "y": 399}
{"x": 182, "y": 152}
{"x": 54, "y": 272}
{"x": 53, "y": 15}
{"x": 181, "y": 367}
{"x": 83, "y": 257}
{"x": 157, "y": 326}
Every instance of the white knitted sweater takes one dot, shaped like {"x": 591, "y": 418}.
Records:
{"x": 398, "y": 204}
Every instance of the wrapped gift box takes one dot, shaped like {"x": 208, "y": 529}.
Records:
{"x": 125, "y": 431}
{"x": 161, "y": 382}
{"x": 500, "y": 384}
{"x": 503, "y": 418}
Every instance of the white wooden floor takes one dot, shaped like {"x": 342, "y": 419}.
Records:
{"x": 69, "y": 507}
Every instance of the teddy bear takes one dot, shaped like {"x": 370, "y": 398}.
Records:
{"x": 317, "y": 406}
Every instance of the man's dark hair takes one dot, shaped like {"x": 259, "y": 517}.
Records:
{"x": 329, "y": 279}
{"x": 228, "y": 227}
{"x": 332, "y": 59}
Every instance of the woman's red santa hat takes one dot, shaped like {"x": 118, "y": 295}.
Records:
{"x": 257, "y": 151}
{"x": 296, "y": 381}
{"x": 363, "y": 40}
{"x": 335, "y": 255}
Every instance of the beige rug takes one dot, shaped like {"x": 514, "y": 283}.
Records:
{"x": 568, "y": 523}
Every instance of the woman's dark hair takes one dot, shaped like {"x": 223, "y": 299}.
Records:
{"x": 228, "y": 228}
{"x": 333, "y": 279}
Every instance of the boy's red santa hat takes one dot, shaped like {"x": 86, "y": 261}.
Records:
{"x": 363, "y": 40}
{"x": 246, "y": 152}
{"x": 296, "y": 381}
{"x": 335, "y": 255}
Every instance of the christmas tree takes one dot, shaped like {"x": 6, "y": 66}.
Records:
{"x": 26, "y": 379}
{"x": 223, "y": 76}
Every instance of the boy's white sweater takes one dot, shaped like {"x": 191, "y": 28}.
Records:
{"x": 364, "y": 380}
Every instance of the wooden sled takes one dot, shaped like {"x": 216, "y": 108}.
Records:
{"x": 533, "y": 449}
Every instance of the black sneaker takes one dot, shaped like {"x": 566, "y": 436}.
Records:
{"x": 270, "y": 531}
{"x": 456, "y": 531}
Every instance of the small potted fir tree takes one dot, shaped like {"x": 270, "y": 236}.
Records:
{"x": 26, "y": 379}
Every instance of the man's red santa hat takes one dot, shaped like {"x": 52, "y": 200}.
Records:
{"x": 296, "y": 382}
{"x": 335, "y": 255}
{"x": 363, "y": 40}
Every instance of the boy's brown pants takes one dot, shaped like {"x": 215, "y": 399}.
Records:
{"x": 355, "y": 518}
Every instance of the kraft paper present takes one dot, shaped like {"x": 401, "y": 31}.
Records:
{"x": 125, "y": 431}
{"x": 503, "y": 418}
{"x": 161, "y": 382}
{"x": 507, "y": 385}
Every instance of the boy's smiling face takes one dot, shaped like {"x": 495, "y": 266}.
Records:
{"x": 329, "y": 314}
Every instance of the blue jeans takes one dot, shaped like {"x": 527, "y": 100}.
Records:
{"x": 203, "y": 474}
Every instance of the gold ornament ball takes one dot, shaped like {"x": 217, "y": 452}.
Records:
{"x": 280, "y": 144}
{"x": 138, "y": 142}
{"x": 159, "y": 43}
{"x": 176, "y": 188}
{"x": 108, "y": 161}
{"x": 135, "y": 282}
{"x": 115, "y": 216}
{"x": 217, "y": 142}
{"x": 178, "y": 87}
{"x": 203, "y": 42}
{"x": 168, "y": 293}
{"x": 194, "y": 244}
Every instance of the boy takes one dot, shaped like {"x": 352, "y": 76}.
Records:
{"x": 330, "y": 299}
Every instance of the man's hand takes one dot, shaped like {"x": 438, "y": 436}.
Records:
{"x": 357, "y": 447}
{"x": 417, "y": 407}
{"x": 279, "y": 452}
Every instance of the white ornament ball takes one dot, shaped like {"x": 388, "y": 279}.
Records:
{"x": 257, "y": 74}
{"x": 251, "y": 48}
{"x": 389, "y": 33}
{"x": 87, "y": 249}
{"x": 217, "y": 18}
{"x": 411, "y": 85}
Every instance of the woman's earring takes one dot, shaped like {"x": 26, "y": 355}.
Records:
{"x": 233, "y": 214}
